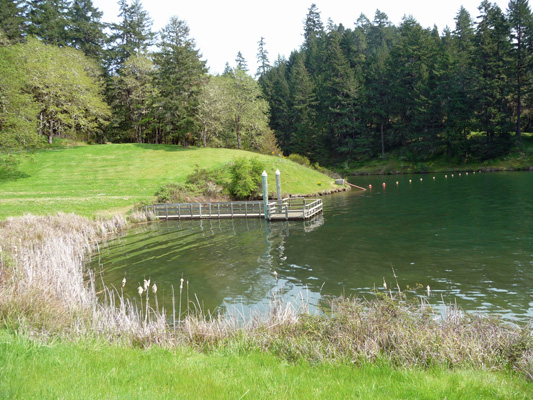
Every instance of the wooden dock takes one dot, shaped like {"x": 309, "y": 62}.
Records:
{"x": 293, "y": 208}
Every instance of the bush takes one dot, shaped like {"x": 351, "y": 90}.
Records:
{"x": 302, "y": 160}
{"x": 245, "y": 178}
{"x": 176, "y": 193}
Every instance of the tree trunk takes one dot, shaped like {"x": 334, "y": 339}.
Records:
{"x": 237, "y": 130}
{"x": 204, "y": 136}
{"x": 51, "y": 132}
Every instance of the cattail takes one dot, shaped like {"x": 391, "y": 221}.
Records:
{"x": 154, "y": 288}
{"x": 181, "y": 283}
{"x": 140, "y": 290}
{"x": 384, "y": 284}
{"x": 276, "y": 275}
{"x": 124, "y": 282}
{"x": 146, "y": 284}
{"x": 429, "y": 291}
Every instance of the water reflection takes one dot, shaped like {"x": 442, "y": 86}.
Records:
{"x": 469, "y": 239}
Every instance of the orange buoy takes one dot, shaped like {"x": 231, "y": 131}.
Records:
{"x": 370, "y": 186}
{"x": 397, "y": 183}
{"x": 446, "y": 176}
{"x": 384, "y": 184}
{"x": 410, "y": 181}
{"x": 452, "y": 175}
{"x": 420, "y": 179}
{"x": 433, "y": 178}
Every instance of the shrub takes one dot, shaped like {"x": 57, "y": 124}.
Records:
{"x": 245, "y": 178}
{"x": 302, "y": 160}
{"x": 175, "y": 193}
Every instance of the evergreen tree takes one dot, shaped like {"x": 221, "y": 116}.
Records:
{"x": 458, "y": 85}
{"x": 134, "y": 97}
{"x": 338, "y": 92}
{"x": 48, "y": 20}
{"x": 412, "y": 64}
{"x": 313, "y": 26}
{"x": 262, "y": 58}
{"x": 241, "y": 63}
{"x": 132, "y": 35}
{"x": 12, "y": 19}
{"x": 305, "y": 139}
{"x": 380, "y": 39}
{"x": 275, "y": 89}
{"x": 313, "y": 40}
{"x": 492, "y": 49}
{"x": 85, "y": 29}
{"x": 180, "y": 76}
{"x": 520, "y": 20}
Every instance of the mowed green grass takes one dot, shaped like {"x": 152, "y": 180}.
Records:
{"x": 100, "y": 371}
{"x": 107, "y": 179}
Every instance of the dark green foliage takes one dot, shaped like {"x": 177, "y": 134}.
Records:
{"x": 85, "y": 30}
{"x": 12, "y": 19}
{"x": 132, "y": 35}
{"x": 47, "y": 20}
{"x": 352, "y": 94}
{"x": 245, "y": 178}
{"x": 179, "y": 77}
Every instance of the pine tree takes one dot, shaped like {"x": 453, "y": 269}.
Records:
{"x": 521, "y": 20}
{"x": 48, "y": 20}
{"x": 85, "y": 29}
{"x": 241, "y": 63}
{"x": 180, "y": 76}
{"x": 12, "y": 19}
{"x": 377, "y": 98}
{"x": 304, "y": 139}
{"x": 132, "y": 35}
{"x": 262, "y": 58}
{"x": 492, "y": 49}
{"x": 337, "y": 100}
{"x": 458, "y": 85}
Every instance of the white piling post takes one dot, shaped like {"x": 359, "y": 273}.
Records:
{"x": 265, "y": 194}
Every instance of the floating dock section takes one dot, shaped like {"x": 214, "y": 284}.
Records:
{"x": 293, "y": 208}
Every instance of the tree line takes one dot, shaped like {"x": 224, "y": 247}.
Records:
{"x": 64, "y": 72}
{"x": 345, "y": 94}
{"x": 362, "y": 92}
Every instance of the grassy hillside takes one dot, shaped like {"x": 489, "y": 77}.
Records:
{"x": 105, "y": 179}
{"x": 519, "y": 159}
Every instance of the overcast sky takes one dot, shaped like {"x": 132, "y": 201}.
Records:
{"x": 223, "y": 28}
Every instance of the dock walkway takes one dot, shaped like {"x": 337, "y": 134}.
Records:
{"x": 287, "y": 209}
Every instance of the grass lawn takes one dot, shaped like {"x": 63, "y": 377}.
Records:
{"x": 109, "y": 179}
{"x": 100, "y": 371}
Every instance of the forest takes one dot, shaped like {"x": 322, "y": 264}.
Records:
{"x": 348, "y": 93}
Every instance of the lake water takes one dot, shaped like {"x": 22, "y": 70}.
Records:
{"x": 468, "y": 237}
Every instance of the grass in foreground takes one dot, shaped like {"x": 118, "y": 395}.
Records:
{"x": 92, "y": 370}
{"x": 109, "y": 179}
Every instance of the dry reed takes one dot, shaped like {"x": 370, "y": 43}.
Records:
{"x": 44, "y": 292}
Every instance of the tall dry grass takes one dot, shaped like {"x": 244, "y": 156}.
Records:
{"x": 44, "y": 292}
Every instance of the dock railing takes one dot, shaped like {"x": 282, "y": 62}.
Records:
{"x": 289, "y": 208}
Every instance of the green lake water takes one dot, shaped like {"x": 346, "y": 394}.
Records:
{"x": 468, "y": 237}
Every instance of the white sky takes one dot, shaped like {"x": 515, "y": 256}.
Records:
{"x": 222, "y": 28}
